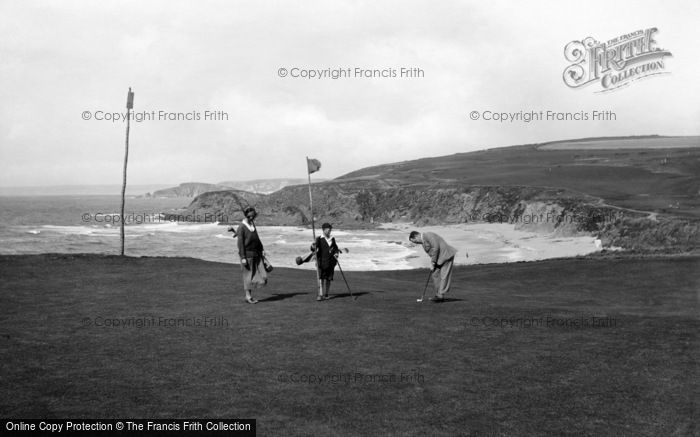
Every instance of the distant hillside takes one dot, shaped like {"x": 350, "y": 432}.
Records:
{"x": 263, "y": 186}
{"x": 194, "y": 189}
{"x": 188, "y": 189}
{"x": 662, "y": 180}
{"x": 645, "y": 198}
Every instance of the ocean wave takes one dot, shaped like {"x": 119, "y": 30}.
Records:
{"x": 372, "y": 251}
{"x": 358, "y": 242}
{"x": 176, "y": 227}
{"x": 78, "y": 230}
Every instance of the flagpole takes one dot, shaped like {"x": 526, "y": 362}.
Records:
{"x": 313, "y": 228}
{"x": 129, "y": 105}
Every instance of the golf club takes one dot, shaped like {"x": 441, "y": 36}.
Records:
{"x": 346, "y": 281}
{"x": 430, "y": 273}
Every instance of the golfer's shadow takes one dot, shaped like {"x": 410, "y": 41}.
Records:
{"x": 279, "y": 296}
{"x": 448, "y": 300}
{"x": 343, "y": 295}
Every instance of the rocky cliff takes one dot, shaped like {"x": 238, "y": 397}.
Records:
{"x": 542, "y": 210}
{"x": 644, "y": 198}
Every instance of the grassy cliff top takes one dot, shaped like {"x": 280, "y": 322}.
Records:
{"x": 651, "y": 173}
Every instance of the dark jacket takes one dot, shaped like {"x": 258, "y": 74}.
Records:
{"x": 249, "y": 244}
{"x": 325, "y": 253}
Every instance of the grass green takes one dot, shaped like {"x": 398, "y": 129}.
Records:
{"x": 469, "y": 367}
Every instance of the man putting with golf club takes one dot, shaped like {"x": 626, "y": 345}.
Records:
{"x": 442, "y": 257}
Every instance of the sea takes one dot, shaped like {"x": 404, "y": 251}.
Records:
{"x": 75, "y": 224}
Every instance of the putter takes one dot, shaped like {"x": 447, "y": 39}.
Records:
{"x": 430, "y": 273}
{"x": 346, "y": 281}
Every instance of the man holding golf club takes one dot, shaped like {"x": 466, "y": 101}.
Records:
{"x": 442, "y": 257}
{"x": 327, "y": 252}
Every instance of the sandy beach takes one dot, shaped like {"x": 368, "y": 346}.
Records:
{"x": 512, "y": 245}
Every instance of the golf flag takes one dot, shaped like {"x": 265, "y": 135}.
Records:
{"x": 313, "y": 164}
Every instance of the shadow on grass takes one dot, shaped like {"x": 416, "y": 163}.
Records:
{"x": 445, "y": 300}
{"x": 280, "y": 296}
{"x": 343, "y": 295}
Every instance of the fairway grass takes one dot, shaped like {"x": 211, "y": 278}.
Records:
{"x": 583, "y": 346}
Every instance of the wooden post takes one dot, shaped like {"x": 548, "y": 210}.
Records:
{"x": 129, "y": 106}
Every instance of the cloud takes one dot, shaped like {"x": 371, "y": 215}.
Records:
{"x": 60, "y": 59}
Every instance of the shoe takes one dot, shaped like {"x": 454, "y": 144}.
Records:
{"x": 251, "y": 300}
{"x": 319, "y": 298}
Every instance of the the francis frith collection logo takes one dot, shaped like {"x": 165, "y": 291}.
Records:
{"x": 615, "y": 63}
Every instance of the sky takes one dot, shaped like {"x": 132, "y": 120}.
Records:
{"x": 65, "y": 66}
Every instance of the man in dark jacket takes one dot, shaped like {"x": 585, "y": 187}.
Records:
{"x": 327, "y": 252}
